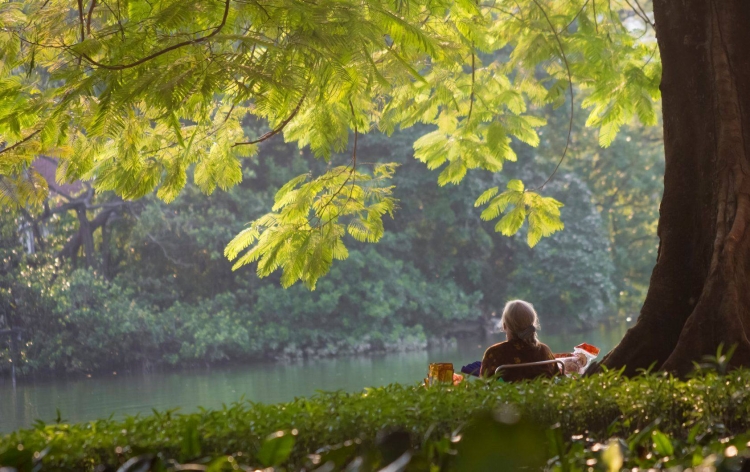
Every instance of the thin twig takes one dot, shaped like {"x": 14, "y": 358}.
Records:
{"x": 473, "y": 73}
{"x": 639, "y": 14}
{"x": 648, "y": 20}
{"x": 6, "y": 149}
{"x": 506, "y": 12}
{"x": 596, "y": 22}
{"x": 570, "y": 86}
{"x": 88, "y": 18}
{"x": 216, "y": 31}
{"x": 80, "y": 18}
{"x": 577, "y": 15}
{"x": 117, "y": 15}
{"x": 279, "y": 128}
{"x": 351, "y": 173}
{"x": 612, "y": 15}
{"x": 651, "y": 56}
{"x": 166, "y": 253}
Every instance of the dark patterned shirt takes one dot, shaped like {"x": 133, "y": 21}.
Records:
{"x": 518, "y": 352}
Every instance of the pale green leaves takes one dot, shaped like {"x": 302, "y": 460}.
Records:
{"x": 139, "y": 101}
{"x": 487, "y": 146}
{"x": 543, "y": 213}
{"x": 219, "y": 168}
{"x": 617, "y": 100}
{"x": 476, "y": 116}
{"x": 27, "y": 189}
{"x": 304, "y": 233}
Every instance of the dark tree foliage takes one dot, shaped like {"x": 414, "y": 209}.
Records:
{"x": 166, "y": 294}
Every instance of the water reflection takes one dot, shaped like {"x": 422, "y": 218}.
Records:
{"x": 84, "y": 399}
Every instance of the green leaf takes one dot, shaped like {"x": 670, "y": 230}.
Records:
{"x": 662, "y": 444}
{"x": 612, "y": 456}
{"x": 485, "y": 196}
{"x": 515, "y": 185}
{"x": 276, "y": 449}
{"x": 304, "y": 237}
{"x": 497, "y": 139}
{"x": 511, "y": 223}
{"x": 607, "y": 134}
{"x": 453, "y": 173}
{"x": 190, "y": 445}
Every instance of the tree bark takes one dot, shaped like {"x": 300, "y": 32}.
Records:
{"x": 699, "y": 295}
{"x": 104, "y": 249}
{"x": 87, "y": 235}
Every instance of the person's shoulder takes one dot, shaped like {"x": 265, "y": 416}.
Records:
{"x": 544, "y": 347}
{"x": 497, "y": 347}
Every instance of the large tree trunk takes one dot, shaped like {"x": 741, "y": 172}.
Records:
{"x": 699, "y": 296}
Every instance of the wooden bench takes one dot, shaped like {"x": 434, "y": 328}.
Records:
{"x": 532, "y": 364}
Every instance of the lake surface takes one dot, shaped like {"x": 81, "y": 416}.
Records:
{"x": 84, "y": 399}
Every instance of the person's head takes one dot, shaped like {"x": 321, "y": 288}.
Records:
{"x": 520, "y": 321}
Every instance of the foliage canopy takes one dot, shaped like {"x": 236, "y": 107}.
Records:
{"x": 135, "y": 94}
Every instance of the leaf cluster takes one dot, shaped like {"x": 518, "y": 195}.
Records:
{"x": 543, "y": 213}
{"x": 311, "y": 215}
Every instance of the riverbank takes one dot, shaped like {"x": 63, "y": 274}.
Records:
{"x": 651, "y": 421}
{"x": 400, "y": 341}
{"x": 83, "y": 398}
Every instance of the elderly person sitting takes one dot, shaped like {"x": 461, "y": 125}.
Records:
{"x": 520, "y": 323}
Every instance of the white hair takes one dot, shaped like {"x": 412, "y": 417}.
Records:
{"x": 520, "y": 321}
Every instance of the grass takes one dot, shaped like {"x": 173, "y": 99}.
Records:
{"x": 602, "y": 422}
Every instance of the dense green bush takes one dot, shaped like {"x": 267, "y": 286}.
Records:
{"x": 655, "y": 421}
{"x": 82, "y": 322}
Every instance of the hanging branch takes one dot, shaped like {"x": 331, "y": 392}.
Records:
{"x": 351, "y": 172}
{"x": 279, "y": 128}
{"x": 20, "y": 142}
{"x": 640, "y": 15}
{"x": 596, "y": 22}
{"x": 570, "y": 86}
{"x": 80, "y": 19}
{"x": 88, "y": 19}
{"x": 578, "y": 14}
{"x": 216, "y": 31}
{"x": 645, "y": 15}
{"x": 473, "y": 74}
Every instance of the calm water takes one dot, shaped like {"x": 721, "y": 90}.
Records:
{"x": 84, "y": 399}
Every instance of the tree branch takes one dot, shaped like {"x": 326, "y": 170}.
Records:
{"x": 88, "y": 19}
{"x": 6, "y": 149}
{"x": 645, "y": 15}
{"x": 80, "y": 19}
{"x": 74, "y": 243}
{"x": 570, "y": 86}
{"x": 639, "y": 14}
{"x": 279, "y": 128}
{"x": 351, "y": 173}
{"x": 473, "y": 76}
{"x": 158, "y": 53}
{"x": 166, "y": 254}
{"x": 578, "y": 14}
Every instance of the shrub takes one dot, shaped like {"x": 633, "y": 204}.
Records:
{"x": 648, "y": 421}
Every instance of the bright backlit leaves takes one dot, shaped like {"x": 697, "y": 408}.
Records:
{"x": 303, "y": 234}
{"x": 519, "y": 204}
{"x": 139, "y": 96}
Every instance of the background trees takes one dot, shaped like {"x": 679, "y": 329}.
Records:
{"x": 168, "y": 296}
{"x": 132, "y": 98}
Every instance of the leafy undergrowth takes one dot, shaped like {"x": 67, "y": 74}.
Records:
{"x": 603, "y": 422}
